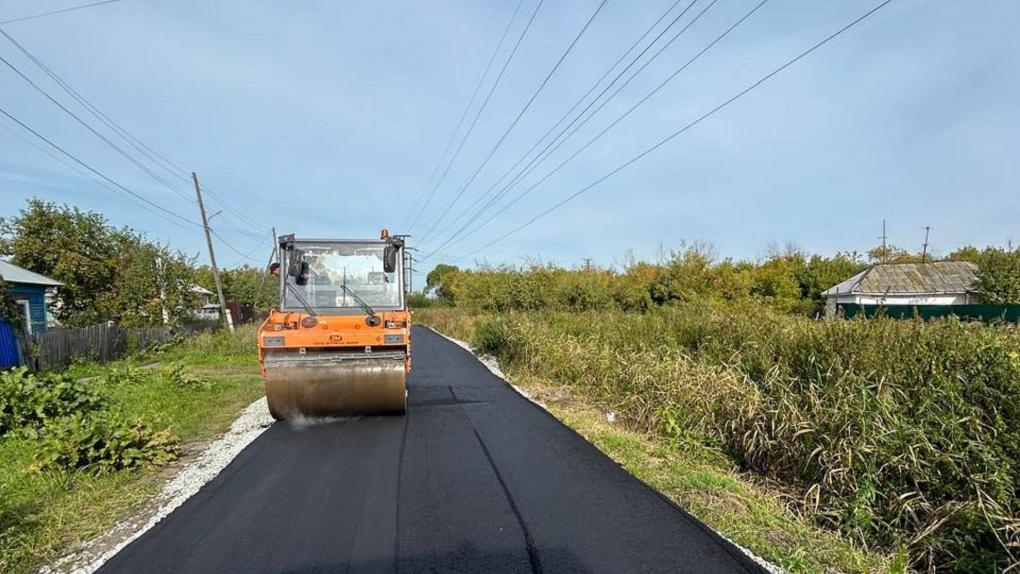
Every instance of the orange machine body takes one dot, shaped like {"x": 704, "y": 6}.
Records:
{"x": 293, "y": 330}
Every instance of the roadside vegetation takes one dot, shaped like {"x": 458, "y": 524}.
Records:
{"x": 899, "y": 437}
{"x": 115, "y": 274}
{"x": 82, "y": 448}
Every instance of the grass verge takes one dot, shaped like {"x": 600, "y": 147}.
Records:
{"x": 194, "y": 388}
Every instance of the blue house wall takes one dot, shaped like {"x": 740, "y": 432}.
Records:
{"x": 36, "y": 296}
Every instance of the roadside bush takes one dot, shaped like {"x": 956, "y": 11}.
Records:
{"x": 174, "y": 374}
{"x": 102, "y": 442}
{"x": 122, "y": 375}
{"x": 29, "y": 401}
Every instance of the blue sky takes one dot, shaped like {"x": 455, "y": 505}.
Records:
{"x": 327, "y": 118}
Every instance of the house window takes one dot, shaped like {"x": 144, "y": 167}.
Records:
{"x": 26, "y": 314}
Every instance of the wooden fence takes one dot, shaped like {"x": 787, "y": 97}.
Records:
{"x": 57, "y": 348}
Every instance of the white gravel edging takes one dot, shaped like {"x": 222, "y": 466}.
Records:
{"x": 187, "y": 481}
{"x": 492, "y": 364}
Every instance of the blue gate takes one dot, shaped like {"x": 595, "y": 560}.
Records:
{"x": 8, "y": 346}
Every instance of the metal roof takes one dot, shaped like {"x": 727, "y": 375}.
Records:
{"x": 14, "y": 274}
{"x": 910, "y": 278}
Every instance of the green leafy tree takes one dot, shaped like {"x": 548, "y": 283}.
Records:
{"x": 968, "y": 253}
{"x": 998, "y": 278}
{"x": 108, "y": 274}
{"x": 244, "y": 285}
{"x": 893, "y": 254}
{"x": 68, "y": 245}
{"x": 441, "y": 281}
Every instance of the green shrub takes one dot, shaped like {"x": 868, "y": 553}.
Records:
{"x": 174, "y": 374}
{"x": 29, "y": 401}
{"x": 102, "y": 442}
{"x": 123, "y": 375}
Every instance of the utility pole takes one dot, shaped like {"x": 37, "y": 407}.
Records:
{"x": 924, "y": 250}
{"x": 410, "y": 272}
{"x": 587, "y": 263}
{"x": 224, "y": 312}
{"x": 883, "y": 234}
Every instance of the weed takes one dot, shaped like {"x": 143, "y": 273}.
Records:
{"x": 102, "y": 442}
{"x": 30, "y": 401}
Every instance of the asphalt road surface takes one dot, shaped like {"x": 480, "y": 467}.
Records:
{"x": 474, "y": 478}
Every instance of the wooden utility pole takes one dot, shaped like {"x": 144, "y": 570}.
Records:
{"x": 224, "y": 312}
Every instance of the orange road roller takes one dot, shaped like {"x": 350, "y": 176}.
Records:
{"x": 339, "y": 344}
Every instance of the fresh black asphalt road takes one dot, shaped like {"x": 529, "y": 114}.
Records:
{"x": 475, "y": 478}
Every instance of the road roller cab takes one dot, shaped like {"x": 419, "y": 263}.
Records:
{"x": 339, "y": 342}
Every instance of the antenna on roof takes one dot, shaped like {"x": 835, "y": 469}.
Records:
{"x": 924, "y": 250}
{"x": 883, "y": 237}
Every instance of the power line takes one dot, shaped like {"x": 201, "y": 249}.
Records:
{"x": 581, "y": 100}
{"x": 242, "y": 254}
{"x": 520, "y": 114}
{"x": 158, "y": 159}
{"x": 75, "y": 168}
{"x": 61, "y": 11}
{"x": 605, "y": 130}
{"x": 478, "y": 114}
{"x": 95, "y": 132}
{"x": 414, "y": 212}
{"x": 97, "y": 172}
{"x": 560, "y": 139}
{"x": 682, "y": 130}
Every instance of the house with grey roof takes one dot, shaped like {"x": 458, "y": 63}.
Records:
{"x": 939, "y": 283}
{"x": 29, "y": 290}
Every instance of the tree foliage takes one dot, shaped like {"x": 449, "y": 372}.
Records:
{"x": 109, "y": 274}
{"x": 244, "y": 285}
{"x": 998, "y": 279}
{"x": 786, "y": 280}
{"x": 441, "y": 281}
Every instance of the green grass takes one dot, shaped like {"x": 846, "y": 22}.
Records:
{"x": 45, "y": 514}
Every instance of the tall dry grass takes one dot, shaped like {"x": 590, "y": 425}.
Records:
{"x": 900, "y": 434}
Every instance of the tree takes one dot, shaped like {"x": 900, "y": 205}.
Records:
{"x": 108, "y": 274}
{"x": 68, "y": 245}
{"x": 440, "y": 281}
{"x": 244, "y": 285}
{"x": 998, "y": 278}
{"x": 893, "y": 254}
